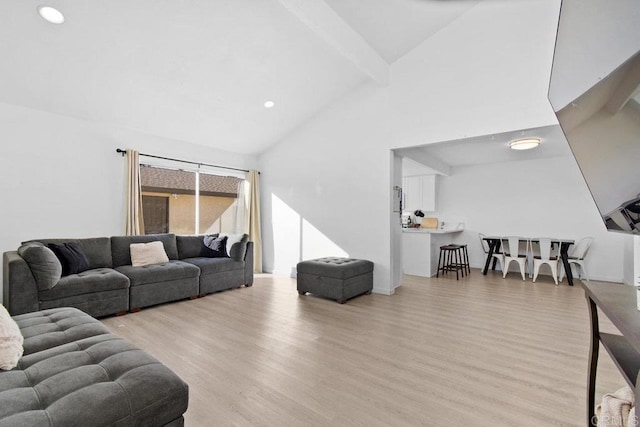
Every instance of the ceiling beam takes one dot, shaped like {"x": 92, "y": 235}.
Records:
{"x": 328, "y": 25}
{"x": 428, "y": 160}
{"x": 626, "y": 88}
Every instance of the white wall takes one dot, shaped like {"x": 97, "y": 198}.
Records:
{"x": 480, "y": 75}
{"x": 632, "y": 261}
{"x": 61, "y": 177}
{"x": 335, "y": 175}
{"x": 395, "y": 221}
{"x": 534, "y": 198}
{"x": 483, "y": 74}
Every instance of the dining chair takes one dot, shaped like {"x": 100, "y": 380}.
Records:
{"x": 497, "y": 255}
{"x": 577, "y": 256}
{"x": 548, "y": 253}
{"x": 511, "y": 251}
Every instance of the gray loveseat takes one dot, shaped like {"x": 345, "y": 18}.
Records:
{"x": 112, "y": 285}
{"x": 75, "y": 373}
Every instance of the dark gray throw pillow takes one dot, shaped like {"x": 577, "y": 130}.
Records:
{"x": 71, "y": 257}
{"x": 43, "y": 263}
{"x": 215, "y": 247}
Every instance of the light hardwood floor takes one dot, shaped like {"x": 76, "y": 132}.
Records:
{"x": 479, "y": 351}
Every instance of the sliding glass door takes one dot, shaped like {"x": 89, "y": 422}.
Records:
{"x": 195, "y": 201}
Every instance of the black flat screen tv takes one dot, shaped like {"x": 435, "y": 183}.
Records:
{"x": 594, "y": 88}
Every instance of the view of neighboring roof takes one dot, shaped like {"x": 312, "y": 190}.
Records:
{"x": 161, "y": 180}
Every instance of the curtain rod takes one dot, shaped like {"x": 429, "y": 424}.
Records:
{"x": 123, "y": 152}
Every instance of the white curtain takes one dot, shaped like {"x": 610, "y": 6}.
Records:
{"x": 242, "y": 208}
{"x": 253, "y": 218}
{"x": 134, "y": 220}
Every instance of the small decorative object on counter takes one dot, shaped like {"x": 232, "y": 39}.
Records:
{"x": 418, "y": 215}
{"x": 405, "y": 220}
{"x": 430, "y": 223}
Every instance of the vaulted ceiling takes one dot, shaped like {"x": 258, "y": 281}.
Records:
{"x": 201, "y": 70}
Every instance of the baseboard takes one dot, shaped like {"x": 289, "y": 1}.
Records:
{"x": 382, "y": 291}
{"x": 604, "y": 279}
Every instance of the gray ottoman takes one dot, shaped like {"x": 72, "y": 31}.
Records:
{"x": 335, "y": 278}
{"x": 74, "y": 372}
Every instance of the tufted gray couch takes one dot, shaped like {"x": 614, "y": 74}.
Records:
{"x": 75, "y": 373}
{"x": 112, "y": 285}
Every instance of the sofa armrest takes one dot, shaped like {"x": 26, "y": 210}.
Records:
{"x": 19, "y": 289}
{"x": 248, "y": 264}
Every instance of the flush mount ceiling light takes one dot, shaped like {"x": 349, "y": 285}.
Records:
{"x": 269, "y": 104}
{"x": 524, "y": 143}
{"x": 51, "y": 14}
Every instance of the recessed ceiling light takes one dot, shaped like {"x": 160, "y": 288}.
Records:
{"x": 51, "y": 14}
{"x": 269, "y": 104}
{"x": 524, "y": 143}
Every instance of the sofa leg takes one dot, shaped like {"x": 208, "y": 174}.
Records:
{"x": 302, "y": 293}
{"x": 202, "y": 295}
{"x": 341, "y": 301}
{"x": 121, "y": 313}
{"x": 134, "y": 310}
{"x": 248, "y": 285}
{"x": 192, "y": 297}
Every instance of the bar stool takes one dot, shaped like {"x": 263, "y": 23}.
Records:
{"x": 452, "y": 258}
{"x": 465, "y": 259}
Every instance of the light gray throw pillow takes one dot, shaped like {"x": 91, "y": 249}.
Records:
{"x": 143, "y": 254}
{"x": 236, "y": 245}
{"x": 11, "y": 341}
{"x": 44, "y": 264}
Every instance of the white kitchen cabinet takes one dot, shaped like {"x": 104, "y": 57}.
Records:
{"x": 411, "y": 188}
{"x": 419, "y": 193}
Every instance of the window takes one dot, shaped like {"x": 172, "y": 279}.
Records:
{"x": 189, "y": 202}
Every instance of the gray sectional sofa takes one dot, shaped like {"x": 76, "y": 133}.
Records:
{"x": 73, "y": 372}
{"x": 112, "y": 285}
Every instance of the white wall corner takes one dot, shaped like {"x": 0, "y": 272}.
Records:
{"x": 632, "y": 262}
{"x": 329, "y": 26}
{"x": 384, "y": 291}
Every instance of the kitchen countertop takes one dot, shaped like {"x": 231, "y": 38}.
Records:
{"x": 432, "y": 230}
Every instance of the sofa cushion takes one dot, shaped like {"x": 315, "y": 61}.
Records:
{"x": 148, "y": 253}
{"x": 172, "y": 270}
{"x": 215, "y": 265}
{"x": 43, "y": 263}
{"x": 215, "y": 247}
{"x": 192, "y": 246}
{"x": 49, "y": 329}
{"x": 236, "y": 245}
{"x": 88, "y": 378}
{"x": 97, "y": 249}
{"x": 10, "y": 341}
{"x": 71, "y": 257}
{"x": 121, "y": 252}
{"x": 90, "y": 281}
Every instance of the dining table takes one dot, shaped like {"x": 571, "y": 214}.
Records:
{"x": 495, "y": 242}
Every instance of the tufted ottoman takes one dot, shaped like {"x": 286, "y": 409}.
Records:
{"x": 335, "y": 278}
{"x": 75, "y": 373}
